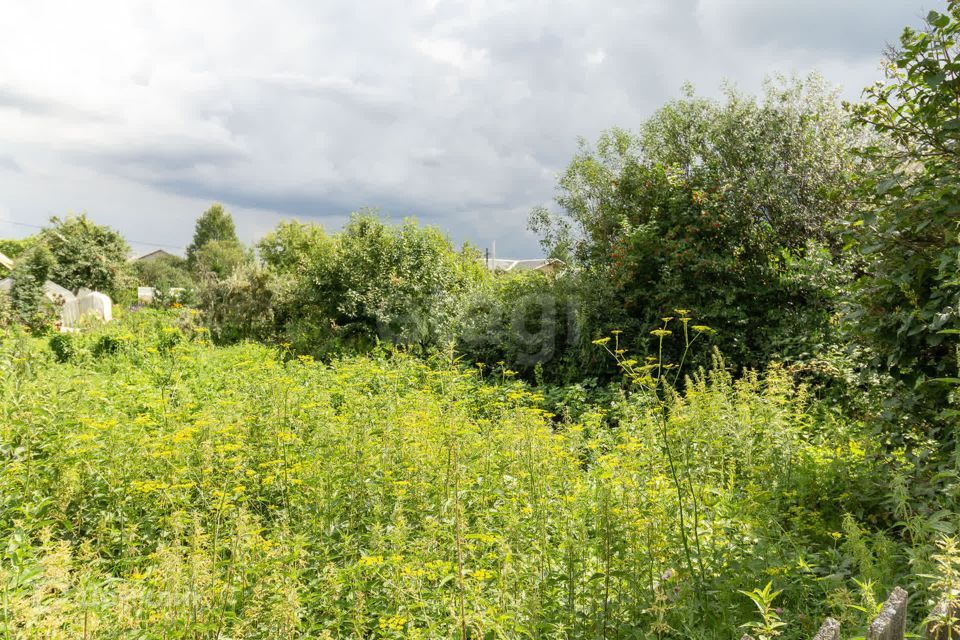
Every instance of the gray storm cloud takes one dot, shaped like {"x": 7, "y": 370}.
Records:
{"x": 460, "y": 113}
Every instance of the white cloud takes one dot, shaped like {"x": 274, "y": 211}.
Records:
{"x": 596, "y": 57}
{"x": 454, "y": 53}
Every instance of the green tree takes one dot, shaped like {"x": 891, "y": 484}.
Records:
{"x": 219, "y": 258}
{"x": 13, "y": 248}
{"x": 163, "y": 273}
{"x": 86, "y": 254}
{"x": 29, "y": 303}
{"x": 249, "y": 304}
{"x": 713, "y": 206}
{"x": 400, "y": 284}
{"x": 215, "y": 224}
{"x": 908, "y": 234}
{"x": 372, "y": 282}
{"x": 293, "y": 246}
{"x": 527, "y": 320}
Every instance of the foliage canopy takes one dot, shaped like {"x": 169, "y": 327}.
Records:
{"x": 713, "y": 206}
{"x": 86, "y": 254}
{"x": 909, "y": 233}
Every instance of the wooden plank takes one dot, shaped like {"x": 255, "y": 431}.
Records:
{"x": 943, "y": 624}
{"x": 830, "y": 630}
{"x": 891, "y": 624}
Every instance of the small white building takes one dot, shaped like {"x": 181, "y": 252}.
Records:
{"x": 146, "y": 295}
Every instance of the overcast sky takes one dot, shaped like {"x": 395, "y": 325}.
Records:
{"x": 460, "y": 113}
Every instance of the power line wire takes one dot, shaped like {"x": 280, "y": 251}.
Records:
{"x": 131, "y": 241}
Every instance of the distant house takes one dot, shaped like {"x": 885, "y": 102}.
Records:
{"x": 6, "y": 262}
{"x": 155, "y": 255}
{"x": 543, "y": 265}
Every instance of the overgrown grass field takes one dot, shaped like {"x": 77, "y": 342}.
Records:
{"x": 155, "y": 486}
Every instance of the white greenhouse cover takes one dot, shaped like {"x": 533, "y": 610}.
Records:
{"x": 89, "y": 303}
{"x": 74, "y": 307}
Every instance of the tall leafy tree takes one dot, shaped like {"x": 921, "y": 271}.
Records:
{"x": 727, "y": 207}
{"x": 163, "y": 273}
{"x": 214, "y": 225}
{"x": 396, "y": 283}
{"x": 909, "y": 232}
{"x": 86, "y": 254}
{"x": 219, "y": 258}
{"x": 294, "y": 246}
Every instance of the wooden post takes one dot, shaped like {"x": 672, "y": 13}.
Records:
{"x": 891, "y": 624}
{"x": 830, "y": 630}
{"x": 942, "y": 625}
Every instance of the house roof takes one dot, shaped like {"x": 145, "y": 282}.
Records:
{"x": 153, "y": 255}
{"x": 6, "y": 262}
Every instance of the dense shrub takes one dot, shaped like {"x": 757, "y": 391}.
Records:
{"x": 908, "y": 232}
{"x": 371, "y": 283}
{"x": 295, "y": 247}
{"x": 527, "y": 321}
{"x": 249, "y": 304}
{"x": 163, "y": 273}
{"x": 713, "y": 207}
{"x": 218, "y": 259}
{"x": 28, "y": 302}
{"x": 86, "y": 255}
{"x": 64, "y": 347}
{"x": 401, "y": 284}
{"x": 7, "y": 316}
{"x": 14, "y": 248}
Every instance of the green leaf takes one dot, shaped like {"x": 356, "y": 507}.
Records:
{"x": 938, "y": 20}
{"x": 934, "y": 80}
